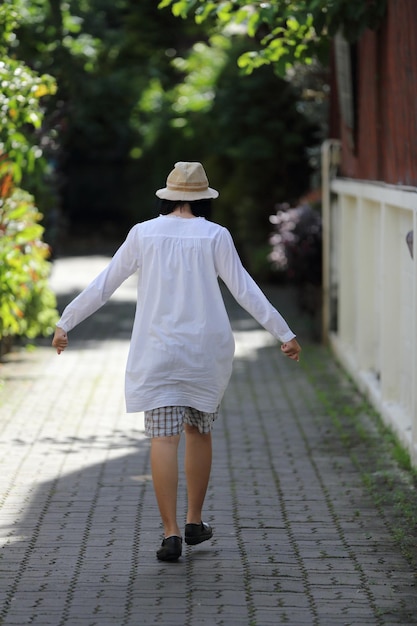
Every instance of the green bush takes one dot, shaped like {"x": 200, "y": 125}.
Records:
{"x": 27, "y": 304}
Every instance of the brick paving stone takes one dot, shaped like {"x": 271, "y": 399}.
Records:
{"x": 298, "y": 539}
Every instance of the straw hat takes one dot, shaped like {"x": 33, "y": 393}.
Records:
{"x": 187, "y": 181}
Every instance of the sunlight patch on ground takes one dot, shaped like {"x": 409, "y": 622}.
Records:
{"x": 249, "y": 342}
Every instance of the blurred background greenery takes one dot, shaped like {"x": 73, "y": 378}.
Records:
{"x": 100, "y": 98}
{"x": 137, "y": 89}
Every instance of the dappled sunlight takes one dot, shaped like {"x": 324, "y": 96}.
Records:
{"x": 70, "y": 276}
{"x": 80, "y": 526}
{"x": 248, "y": 343}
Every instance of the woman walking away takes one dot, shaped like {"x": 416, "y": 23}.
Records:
{"x": 182, "y": 347}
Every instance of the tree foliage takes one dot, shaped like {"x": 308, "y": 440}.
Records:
{"x": 250, "y": 134}
{"x": 105, "y": 56}
{"x": 261, "y": 143}
{"x": 138, "y": 89}
{"x": 21, "y": 109}
{"x": 27, "y": 306}
{"x": 287, "y": 32}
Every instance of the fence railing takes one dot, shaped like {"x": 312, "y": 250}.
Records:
{"x": 370, "y": 294}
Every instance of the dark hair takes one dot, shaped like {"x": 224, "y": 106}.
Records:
{"x": 199, "y": 208}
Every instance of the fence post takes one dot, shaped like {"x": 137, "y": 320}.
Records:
{"x": 330, "y": 159}
{"x": 414, "y": 349}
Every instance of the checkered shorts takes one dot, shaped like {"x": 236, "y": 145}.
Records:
{"x": 169, "y": 420}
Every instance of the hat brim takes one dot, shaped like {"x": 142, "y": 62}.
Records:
{"x": 170, "y": 194}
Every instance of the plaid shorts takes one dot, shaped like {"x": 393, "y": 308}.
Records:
{"x": 169, "y": 420}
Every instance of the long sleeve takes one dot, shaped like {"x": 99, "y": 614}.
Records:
{"x": 245, "y": 290}
{"x": 123, "y": 264}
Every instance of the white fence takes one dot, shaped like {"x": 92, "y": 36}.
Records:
{"x": 370, "y": 293}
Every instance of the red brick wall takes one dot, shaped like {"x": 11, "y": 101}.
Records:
{"x": 385, "y": 137}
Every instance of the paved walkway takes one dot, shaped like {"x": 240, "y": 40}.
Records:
{"x": 299, "y": 539}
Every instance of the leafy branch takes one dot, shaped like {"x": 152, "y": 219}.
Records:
{"x": 21, "y": 112}
{"x": 286, "y": 32}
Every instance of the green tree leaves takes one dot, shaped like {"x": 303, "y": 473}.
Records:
{"x": 21, "y": 111}
{"x": 287, "y": 32}
{"x": 27, "y": 306}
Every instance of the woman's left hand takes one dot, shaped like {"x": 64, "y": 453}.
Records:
{"x": 291, "y": 349}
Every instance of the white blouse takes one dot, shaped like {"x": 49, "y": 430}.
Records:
{"x": 182, "y": 345}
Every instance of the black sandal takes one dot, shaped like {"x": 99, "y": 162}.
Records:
{"x": 197, "y": 533}
{"x": 171, "y": 549}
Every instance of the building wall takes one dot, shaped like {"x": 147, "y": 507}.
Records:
{"x": 369, "y": 211}
{"x": 382, "y": 145}
{"x": 372, "y": 287}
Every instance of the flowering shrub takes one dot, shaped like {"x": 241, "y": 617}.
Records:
{"x": 296, "y": 243}
{"x": 27, "y": 305}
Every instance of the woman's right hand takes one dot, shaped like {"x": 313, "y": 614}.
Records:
{"x": 60, "y": 340}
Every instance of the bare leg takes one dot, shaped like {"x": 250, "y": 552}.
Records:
{"x": 164, "y": 464}
{"x": 198, "y": 455}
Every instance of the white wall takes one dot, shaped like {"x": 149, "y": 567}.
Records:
{"x": 370, "y": 294}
